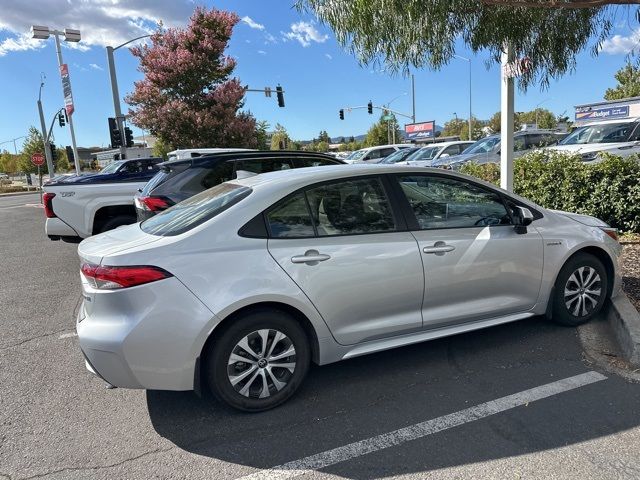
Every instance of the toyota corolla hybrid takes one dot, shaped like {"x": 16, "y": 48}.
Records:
{"x": 239, "y": 288}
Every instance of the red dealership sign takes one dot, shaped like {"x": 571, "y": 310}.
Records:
{"x": 420, "y": 130}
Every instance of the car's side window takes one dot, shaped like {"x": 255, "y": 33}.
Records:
{"x": 313, "y": 162}
{"x": 352, "y": 206}
{"x": 440, "y": 202}
{"x": 290, "y": 218}
{"x": 260, "y": 165}
{"x": 220, "y": 173}
{"x": 452, "y": 150}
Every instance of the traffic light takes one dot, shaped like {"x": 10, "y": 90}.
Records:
{"x": 61, "y": 119}
{"x": 280, "y": 95}
{"x": 54, "y": 153}
{"x": 128, "y": 136}
{"x": 341, "y": 114}
{"x": 114, "y": 133}
{"x": 369, "y": 107}
{"x": 70, "y": 156}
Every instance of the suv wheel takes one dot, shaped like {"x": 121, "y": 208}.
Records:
{"x": 258, "y": 362}
{"x": 580, "y": 290}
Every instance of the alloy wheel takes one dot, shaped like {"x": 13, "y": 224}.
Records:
{"x": 582, "y": 291}
{"x": 261, "y": 363}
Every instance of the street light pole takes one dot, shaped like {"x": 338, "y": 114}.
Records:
{"x": 116, "y": 94}
{"x": 45, "y": 137}
{"x": 43, "y": 33}
{"x": 536, "y": 110}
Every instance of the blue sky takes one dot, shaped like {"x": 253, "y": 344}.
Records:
{"x": 273, "y": 44}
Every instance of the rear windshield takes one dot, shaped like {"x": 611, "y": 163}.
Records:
{"x": 195, "y": 210}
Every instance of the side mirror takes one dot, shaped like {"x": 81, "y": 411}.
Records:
{"x": 522, "y": 217}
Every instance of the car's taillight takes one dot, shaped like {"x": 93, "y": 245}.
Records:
{"x": 153, "y": 204}
{"x": 47, "y": 200}
{"x": 110, "y": 278}
{"x": 612, "y": 232}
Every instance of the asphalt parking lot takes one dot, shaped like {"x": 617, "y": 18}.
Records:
{"x": 514, "y": 401}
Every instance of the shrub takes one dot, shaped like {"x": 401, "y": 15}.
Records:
{"x": 609, "y": 190}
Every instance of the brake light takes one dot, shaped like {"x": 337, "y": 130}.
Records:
{"x": 47, "y": 200}
{"x": 111, "y": 278}
{"x": 153, "y": 204}
{"x": 612, "y": 232}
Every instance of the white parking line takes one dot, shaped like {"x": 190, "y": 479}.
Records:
{"x": 68, "y": 335}
{"x": 420, "y": 430}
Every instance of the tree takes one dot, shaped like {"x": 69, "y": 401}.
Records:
{"x": 8, "y": 162}
{"x": 425, "y": 34}
{"x": 262, "y": 135}
{"x": 32, "y": 144}
{"x": 187, "y": 97}
{"x": 161, "y": 149}
{"x": 280, "y": 139}
{"x": 628, "y": 78}
{"x": 324, "y": 137}
{"x": 541, "y": 117}
{"x": 459, "y": 127}
{"x": 380, "y": 133}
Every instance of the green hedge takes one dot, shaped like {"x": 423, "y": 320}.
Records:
{"x": 609, "y": 190}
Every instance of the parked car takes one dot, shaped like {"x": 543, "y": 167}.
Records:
{"x": 433, "y": 152}
{"x": 4, "y": 176}
{"x": 180, "y": 179}
{"x": 399, "y": 156}
{"x": 375, "y": 154}
{"x": 78, "y": 206}
{"x": 237, "y": 289}
{"x": 619, "y": 137}
{"x": 487, "y": 150}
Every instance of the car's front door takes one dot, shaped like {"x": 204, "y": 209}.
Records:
{"x": 342, "y": 244}
{"x": 476, "y": 264}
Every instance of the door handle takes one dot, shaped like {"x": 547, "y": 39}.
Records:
{"x": 439, "y": 248}
{"x": 310, "y": 257}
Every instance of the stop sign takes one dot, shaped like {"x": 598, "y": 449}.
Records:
{"x": 37, "y": 159}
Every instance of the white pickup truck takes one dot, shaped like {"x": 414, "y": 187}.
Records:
{"x": 79, "y": 206}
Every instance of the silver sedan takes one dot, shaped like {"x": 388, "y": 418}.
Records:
{"x": 239, "y": 288}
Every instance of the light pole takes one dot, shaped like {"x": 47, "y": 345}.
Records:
{"x": 116, "y": 94}
{"x": 43, "y": 33}
{"x": 43, "y": 126}
{"x": 536, "y": 110}
{"x": 15, "y": 148}
{"x": 393, "y": 131}
{"x": 469, "y": 61}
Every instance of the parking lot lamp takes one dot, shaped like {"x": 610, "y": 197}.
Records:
{"x": 43, "y": 33}
{"x": 469, "y": 61}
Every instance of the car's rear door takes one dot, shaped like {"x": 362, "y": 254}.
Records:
{"x": 476, "y": 265}
{"x": 346, "y": 246}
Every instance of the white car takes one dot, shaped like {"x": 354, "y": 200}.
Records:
{"x": 618, "y": 137}
{"x": 375, "y": 154}
{"x": 432, "y": 152}
{"x": 199, "y": 152}
{"x": 240, "y": 287}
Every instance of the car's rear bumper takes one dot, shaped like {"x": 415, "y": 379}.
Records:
{"x": 56, "y": 228}
{"x": 147, "y": 336}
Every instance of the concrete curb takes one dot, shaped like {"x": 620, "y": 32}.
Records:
{"x": 625, "y": 321}
{"x": 14, "y": 194}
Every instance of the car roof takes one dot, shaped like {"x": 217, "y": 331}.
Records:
{"x": 376, "y": 147}
{"x": 446, "y": 144}
{"x": 252, "y": 154}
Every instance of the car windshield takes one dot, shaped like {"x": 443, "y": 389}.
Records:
{"x": 195, "y": 210}
{"x": 399, "y": 156}
{"x": 602, "y": 133}
{"x": 112, "y": 167}
{"x": 358, "y": 154}
{"x": 425, "y": 153}
{"x": 484, "y": 145}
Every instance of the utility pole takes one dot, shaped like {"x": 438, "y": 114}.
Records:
{"x": 413, "y": 98}
{"x": 45, "y": 137}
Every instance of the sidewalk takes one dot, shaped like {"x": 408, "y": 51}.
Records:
{"x": 630, "y": 264}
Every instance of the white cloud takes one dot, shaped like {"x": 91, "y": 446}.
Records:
{"x": 305, "y": 33}
{"x": 19, "y": 43}
{"x": 100, "y": 22}
{"x": 328, "y": 56}
{"x": 96, "y": 66}
{"x": 262, "y": 52}
{"x": 268, "y": 38}
{"x": 621, "y": 44}
{"x": 253, "y": 24}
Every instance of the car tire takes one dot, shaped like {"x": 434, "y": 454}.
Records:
{"x": 241, "y": 384}
{"x": 580, "y": 290}
{"x": 116, "y": 222}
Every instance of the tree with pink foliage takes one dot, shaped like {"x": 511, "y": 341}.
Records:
{"x": 188, "y": 98}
